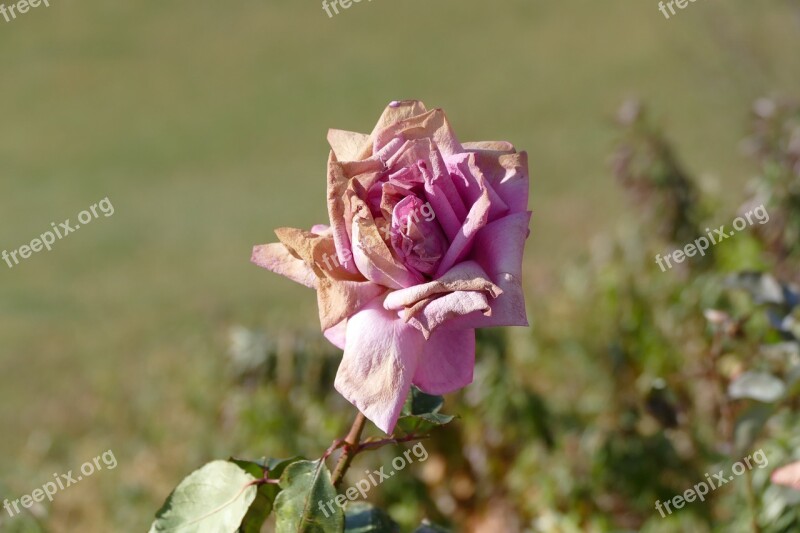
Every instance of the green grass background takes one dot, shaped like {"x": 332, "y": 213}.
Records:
{"x": 204, "y": 123}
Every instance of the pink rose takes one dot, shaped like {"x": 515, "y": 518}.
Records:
{"x": 425, "y": 244}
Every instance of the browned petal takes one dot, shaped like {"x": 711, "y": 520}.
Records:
{"x": 318, "y": 252}
{"x": 433, "y": 125}
{"x": 339, "y": 300}
{"x": 339, "y": 213}
{"x": 348, "y": 145}
{"x": 466, "y": 276}
{"x": 277, "y": 258}
{"x": 372, "y": 256}
{"x": 508, "y": 176}
{"x": 490, "y": 146}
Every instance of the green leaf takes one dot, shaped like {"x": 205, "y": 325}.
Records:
{"x": 301, "y": 507}
{"x": 749, "y": 425}
{"x": 362, "y": 517}
{"x": 214, "y": 498}
{"x": 421, "y": 412}
{"x": 760, "y": 386}
{"x": 427, "y": 527}
{"x": 419, "y": 403}
{"x": 763, "y": 288}
{"x": 265, "y": 497}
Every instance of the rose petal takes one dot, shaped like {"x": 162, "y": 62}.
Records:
{"x": 339, "y": 216}
{"x": 372, "y": 257}
{"x": 470, "y": 182}
{"x": 431, "y": 125}
{"x": 338, "y": 300}
{"x": 447, "y": 362}
{"x": 429, "y": 314}
{"x": 508, "y": 176}
{"x": 276, "y": 257}
{"x": 462, "y": 244}
{"x": 466, "y": 276}
{"x": 337, "y": 335}
{"x": 500, "y": 245}
{"x": 498, "y": 248}
{"x": 347, "y": 145}
{"x": 379, "y": 362}
{"x": 490, "y": 146}
{"x": 317, "y": 251}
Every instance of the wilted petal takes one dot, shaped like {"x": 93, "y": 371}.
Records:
{"x": 379, "y": 362}
{"x": 276, "y": 257}
{"x": 447, "y": 362}
{"x": 508, "y": 176}
{"x": 338, "y": 213}
{"x": 470, "y": 183}
{"x": 428, "y": 315}
{"x": 317, "y": 251}
{"x": 371, "y": 254}
{"x": 338, "y": 300}
{"x": 347, "y": 145}
{"x": 431, "y": 125}
{"x": 489, "y": 146}
{"x": 466, "y": 276}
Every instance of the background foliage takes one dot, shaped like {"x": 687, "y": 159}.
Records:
{"x": 205, "y": 124}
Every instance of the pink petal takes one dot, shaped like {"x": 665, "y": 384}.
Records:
{"x": 470, "y": 182}
{"x": 337, "y": 335}
{"x": 371, "y": 254}
{"x": 276, "y": 257}
{"x": 498, "y": 248}
{"x": 466, "y": 276}
{"x": 440, "y": 310}
{"x": 447, "y": 362}
{"x": 508, "y": 176}
{"x": 380, "y": 359}
{"x": 500, "y": 245}
{"x": 460, "y": 246}
{"x": 788, "y": 476}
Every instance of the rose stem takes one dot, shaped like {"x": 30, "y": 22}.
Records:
{"x": 351, "y": 448}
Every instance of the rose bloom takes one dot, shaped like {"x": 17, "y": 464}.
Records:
{"x": 424, "y": 245}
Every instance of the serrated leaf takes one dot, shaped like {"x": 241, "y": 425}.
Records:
{"x": 213, "y": 498}
{"x": 301, "y": 507}
{"x": 362, "y": 517}
{"x": 265, "y": 497}
{"x": 760, "y": 386}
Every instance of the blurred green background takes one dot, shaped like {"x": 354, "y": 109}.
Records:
{"x": 204, "y": 123}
